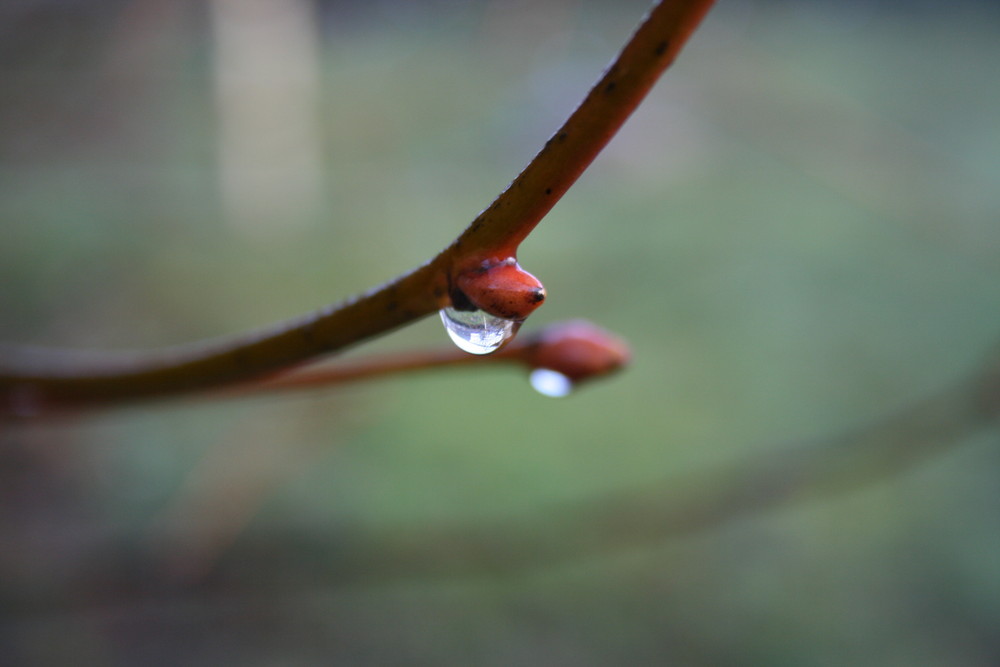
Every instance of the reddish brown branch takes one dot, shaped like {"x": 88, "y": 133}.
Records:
{"x": 577, "y": 349}
{"x": 28, "y": 387}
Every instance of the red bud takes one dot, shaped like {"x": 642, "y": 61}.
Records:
{"x": 579, "y": 350}
{"x": 502, "y": 289}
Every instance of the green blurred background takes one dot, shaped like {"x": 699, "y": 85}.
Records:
{"x": 797, "y": 233}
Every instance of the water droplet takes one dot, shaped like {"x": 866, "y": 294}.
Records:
{"x": 550, "y": 383}
{"x": 476, "y": 331}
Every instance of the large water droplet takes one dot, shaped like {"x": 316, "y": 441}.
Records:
{"x": 476, "y": 331}
{"x": 550, "y": 383}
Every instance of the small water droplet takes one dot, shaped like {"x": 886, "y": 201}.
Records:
{"x": 476, "y": 331}
{"x": 550, "y": 383}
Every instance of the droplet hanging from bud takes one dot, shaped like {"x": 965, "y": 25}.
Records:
{"x": 476, "y": 331}
{"x": 488, "y": 304}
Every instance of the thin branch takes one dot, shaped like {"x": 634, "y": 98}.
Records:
{"x": 578, "y": 349}
{"x": 654, "y": 47}
{"x": 29, "y": 384}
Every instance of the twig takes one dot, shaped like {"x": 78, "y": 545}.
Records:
{"x": 578, "y": 349}
{"x": 33, "y": 383}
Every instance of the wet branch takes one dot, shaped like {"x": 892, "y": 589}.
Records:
{"x": 33, "y": 381}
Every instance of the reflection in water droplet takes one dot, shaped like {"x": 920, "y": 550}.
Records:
{"x": 476, "y": 331}
{"x": 550, "y": 383}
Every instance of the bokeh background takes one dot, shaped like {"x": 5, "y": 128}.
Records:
{"x": 797, "y": 233}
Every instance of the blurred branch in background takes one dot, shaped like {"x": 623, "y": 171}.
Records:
{"x": 222, "y": 494}
{"x": 179, "y": 560}
{"x": 674, "y": 507}
{"x": 225, "y": 490}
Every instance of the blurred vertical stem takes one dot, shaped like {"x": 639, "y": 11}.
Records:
{"x": 32, "y": 381}
{"x": 266, "y": 84}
